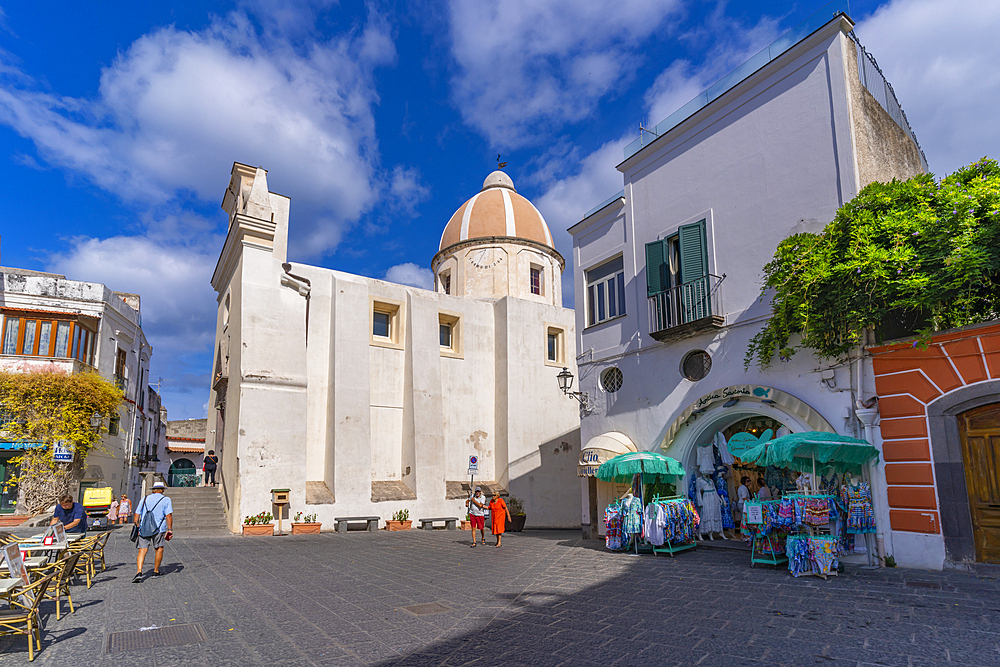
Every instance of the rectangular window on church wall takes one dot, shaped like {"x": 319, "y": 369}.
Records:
{"x": 450, "y": 335}
{"x": 444, "y": 329}
{"x": 606, "y": 292}
{"x": 381, "y": 324}
{"x": 536, "y": 280}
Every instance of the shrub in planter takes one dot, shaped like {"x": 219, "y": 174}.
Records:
{"x": 259, "y": 524}
{"x": 400, "y": 521}
{"x": 515, "y": 523}
{"x": 308, "y": 527}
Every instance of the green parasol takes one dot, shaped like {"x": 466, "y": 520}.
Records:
{"x": 813, "y": 450}
{"x": 652, "y": 465}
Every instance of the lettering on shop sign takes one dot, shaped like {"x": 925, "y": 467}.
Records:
{"x": 755, "y": 513}
{"x": 586, "y": 471}
{"x": 730, "y": 392}
{"x": 590, "y": 456}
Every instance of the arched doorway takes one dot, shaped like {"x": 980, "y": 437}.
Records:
{"x": 979, "y": 430}
{"x": 182, "y": 473}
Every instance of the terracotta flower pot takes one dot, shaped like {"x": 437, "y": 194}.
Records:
{"x": 398, "y": 525}
{"x": 466, "y": 525}
{"x": 303, "y": 528}
{"x": 259, "y": 529}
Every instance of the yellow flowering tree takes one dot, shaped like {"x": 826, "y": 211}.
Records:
{"x": 49, "y": 407}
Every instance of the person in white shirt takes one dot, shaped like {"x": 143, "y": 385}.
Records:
{"x": 764, "y": 493}
{"x": 477, "y": 514}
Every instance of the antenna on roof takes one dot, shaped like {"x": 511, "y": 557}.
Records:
{"x": 500, "y": 165}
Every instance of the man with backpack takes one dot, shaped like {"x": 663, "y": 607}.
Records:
{"x": 154, "y": 520}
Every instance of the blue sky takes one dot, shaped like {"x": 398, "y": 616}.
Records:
{"x": 119, "y": 123}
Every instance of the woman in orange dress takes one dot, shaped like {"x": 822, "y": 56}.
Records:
{"x": 499, "y": 514}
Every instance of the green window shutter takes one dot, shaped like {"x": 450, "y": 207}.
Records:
{"x": 693, "y": 250}
{"x": 656, "y": 267}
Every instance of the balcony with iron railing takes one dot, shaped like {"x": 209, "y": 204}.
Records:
{"x": 687, "y": 309}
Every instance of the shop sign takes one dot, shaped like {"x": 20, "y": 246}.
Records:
{"x": 62, "y": 451}
{"x": 755, "y": 513}
{"x": 733, "y": 392}
{"x": 740, "y": 442}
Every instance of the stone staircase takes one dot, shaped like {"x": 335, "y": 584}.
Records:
{"x": 198, "y": 511}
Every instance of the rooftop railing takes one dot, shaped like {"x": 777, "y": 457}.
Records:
{"x": 820, "y": 18}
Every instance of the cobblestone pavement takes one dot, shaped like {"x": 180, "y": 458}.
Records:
{"x": 544, "y": 598}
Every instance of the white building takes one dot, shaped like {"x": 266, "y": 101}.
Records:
{"x": 50, "y": 322}
{"x": 668, "y": 273}
{"x": 366, "y": 397}
{"x": 185, "y": 452}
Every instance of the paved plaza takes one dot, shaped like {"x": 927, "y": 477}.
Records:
{"x": 544, "y": 598}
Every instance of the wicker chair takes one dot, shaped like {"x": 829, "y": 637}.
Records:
{"x": 102, "y": 539}
{"x": 85, "y": 564}
{"x": 62, "y": 572}
{"x": 24, "y": 620}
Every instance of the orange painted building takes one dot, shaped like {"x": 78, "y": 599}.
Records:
{"x": 940, "y": 429}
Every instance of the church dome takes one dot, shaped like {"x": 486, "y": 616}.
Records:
{"x": 496, "y": 211}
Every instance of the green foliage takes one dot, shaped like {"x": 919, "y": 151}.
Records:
{"x": 401, "y": 515}
{"x": 50, "y": 407}
{"x": 918, "y": 252}
{"x": 258, "y": 519}
{"x": 515, "y": 505}
{"x": 890, "y": 561}
{"x": 310, "y": 518}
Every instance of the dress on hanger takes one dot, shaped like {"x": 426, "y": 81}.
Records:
{"x": 711, "y": 508}
{"x": 724, "y": 454}
{"x": 706, "y": 459}
{"x": 722, "y": 488}
{"x": 860, "y": 513}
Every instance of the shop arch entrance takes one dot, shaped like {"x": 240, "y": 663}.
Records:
{"x": 182, "y": 473}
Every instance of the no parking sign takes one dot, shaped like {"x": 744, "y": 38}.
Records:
{"x": 473, "y": 465}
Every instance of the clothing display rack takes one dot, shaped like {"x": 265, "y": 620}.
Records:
{"x": 812, "y": 552}
{"x": 764, "y": 535}
{"x": 683, "y": 507}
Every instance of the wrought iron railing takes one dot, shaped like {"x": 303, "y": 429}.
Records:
{"x": 874, "y": 81}
{"x": 687, "y": 302}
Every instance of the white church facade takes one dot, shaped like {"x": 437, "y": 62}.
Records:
{"x": 365, "y": 397}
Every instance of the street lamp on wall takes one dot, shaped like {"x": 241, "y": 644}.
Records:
{"x": 95, "y": 422}
{"x": 565, "y": 379}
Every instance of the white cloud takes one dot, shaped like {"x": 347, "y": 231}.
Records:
{"x": 527, "y": 65}
{"x": 176, "y": 108}
{"x": 594, "y": 177}
{"x": 178, "y": 304}
{"x": 941, "y": 59}
{"x": 411, "y": 274}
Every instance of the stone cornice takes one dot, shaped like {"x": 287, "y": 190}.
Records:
{"x": 244, "y": 230}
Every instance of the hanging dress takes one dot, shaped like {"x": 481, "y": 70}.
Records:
{"x": 711, "y": 508}
{"x": 706, "y": 459}
{"x": 722, "y": 488}
{"x": 860, "y": 514}
{"x": 724, "y": 454}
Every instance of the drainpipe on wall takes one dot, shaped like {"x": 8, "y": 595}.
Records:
{"x": 867, "y": 417}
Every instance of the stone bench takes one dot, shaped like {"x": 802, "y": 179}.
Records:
{"x": 341, "y": 523}
{"x": 450, "y": 522}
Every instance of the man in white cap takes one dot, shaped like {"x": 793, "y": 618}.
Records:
{"x": 155, "y": 518}
{"x": 477, "y": 514}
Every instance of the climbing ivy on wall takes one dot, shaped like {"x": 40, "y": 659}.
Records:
{"x": 48, "y": 407}
{"x": 915, "y": 256}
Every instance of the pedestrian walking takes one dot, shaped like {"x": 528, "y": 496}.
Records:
{"x": 209, "y": 465}
{"x": 70, "y": 514}
{"x": 155, "y": 518}
{"x": 124, "y": 509}
{"x": 500, "y": 514}
{"x": 477, "y": 514}
{"x": 113, "y": 510}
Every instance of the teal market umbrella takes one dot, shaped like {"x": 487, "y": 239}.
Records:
{"x": 811, "y": 450}
{"x": 649, "y": 464}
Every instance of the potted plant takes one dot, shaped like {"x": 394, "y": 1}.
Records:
{"x": 259, "y": 524}
{"x": 400, "y": 521}
{"x": 515, "y": 523}
{"x": 308, "y": 527}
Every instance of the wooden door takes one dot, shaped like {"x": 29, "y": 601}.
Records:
{"x": 980, "y": 430}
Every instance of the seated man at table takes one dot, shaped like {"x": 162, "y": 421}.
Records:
{"x": 71, "y": 515}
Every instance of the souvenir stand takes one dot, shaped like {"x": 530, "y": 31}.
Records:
{"x": 624, "y": 527}
{"x": 767, "y": 547}
{"x": 813, "y": 548}
{"x": 681, "y": 522}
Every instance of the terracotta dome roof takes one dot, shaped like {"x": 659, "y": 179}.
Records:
{"x": 496, "y": 211}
